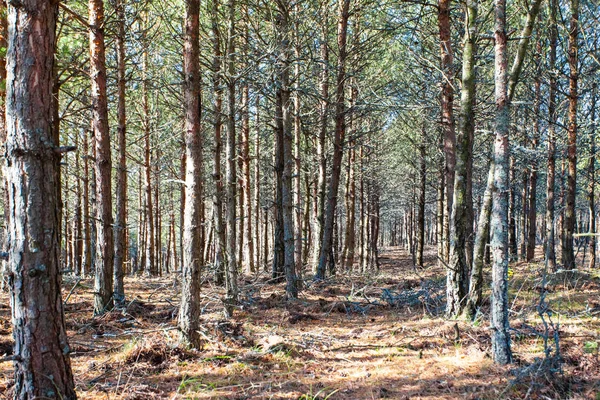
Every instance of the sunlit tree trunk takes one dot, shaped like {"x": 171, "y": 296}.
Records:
{"x": 230, "y": 172}
{"x": 189, "y": 310}
{"x": 41, "y": 360}
{"x": 461, "y": 220}
{"x": 104, "y": 257}
{"x": 448, "y": 127}
{"x": 338, "y": 145}
{"x": 121, "y": 195}
{"x": 568, "y": 253}
{"x": 319, "y": 217}
{"x": 550, "y": 255}
{"x": 501, "y": 351}
{"x": 592, "y": 179}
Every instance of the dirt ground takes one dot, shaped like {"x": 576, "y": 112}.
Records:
{"x": 380, "y": 335}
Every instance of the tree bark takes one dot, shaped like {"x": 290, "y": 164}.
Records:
{"x": 481, "y": 241}
{"x": 338, "y": 145}
{"x": 230, "y": 172}
{"x": 568, "y": 253}
{"x": 41, "y": 350}
{"x": 592, "y": 179}
{"x": 501, "y": 351}
{"x": 319, "y": 219}
{"x": 189, "y": 310}
{"x": 220, "y": 243}
{"x": 550, "y": 254}
{"x": 461, "y": 228}
{"x": 121, "y": 195}
{"x": 447, "y": 103}
{"x": 104, "y": 257}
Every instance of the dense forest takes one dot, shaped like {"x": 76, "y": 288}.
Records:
{"x": 300, "y": 199}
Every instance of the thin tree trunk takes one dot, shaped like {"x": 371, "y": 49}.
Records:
{"x": 340, "y": 133}
{"x": 501, "y": 351}
{"x": 150, "y": 267}
{"x": 421, "y": 200}
{"x": 121, "y": 195}
{"x": 481, "y": 241}
{"x": 103, "y": 283}
{"x": 461, "y": 228}
{"x": 319, "y": 220}
{"x": 447, "y": 103}
{"x": 533, "y": 178}
{"x": 189, "y": 310}
{"x": 592, "y": 179}
{"x": 257, "y": 185}
{"x": 550, "y": 254}
{"x": 568, "y": 253}
{"x": 247, "y": 220}
{"x": 230, "y": 172}
{"x": 220, "y": 243}
{"x": 41, "y": 362}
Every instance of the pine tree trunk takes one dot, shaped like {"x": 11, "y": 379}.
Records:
{"x": 569, "y": 221}
{"x": 461, "y": 221}
{"x": 550, "y": 255}
{"x": 150, "y": 266}
{"x": 338, "y": 145}
{"x": 481, "y": 241}
{"x": 257, "y": 186}
{"x": 533, "y": 178}
{"x": 319, "y": 219}
{"x": 219, "y": 261}
{"x": 121, "y": 195}
{"x": 592, "y": 179}
{"x": 104, "y": 257}
{"x": 41, "y": 350}
{"x": 421, "y": 200}
{"x": 447, "y": 102}
{"x": 230, "y": 173}
{"x": 501, "y": 351}
{"x": 189, "y": 310}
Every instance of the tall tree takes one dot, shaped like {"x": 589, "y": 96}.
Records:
{"x": 326, "y": 252}
{"x": 461, "y": 220}
{"x": 501, "y": 351}
{"x": 568, "y": 253}
{"x": 230, "y": 169}
{"x": 189, "y": 310}
{"x": 121, "y": 195}
{"x": 550, "y": 255}
{"x": 447, "y": 102}
{"x": 104, "y": 257}
{"x": 41, "y": 350}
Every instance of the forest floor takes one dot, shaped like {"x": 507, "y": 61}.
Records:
{"x": 381, "y": 335}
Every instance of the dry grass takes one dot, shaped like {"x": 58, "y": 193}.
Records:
{"x": 340, "y": 340}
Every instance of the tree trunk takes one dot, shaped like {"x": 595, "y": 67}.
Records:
{"x": 568, "y": 253}
{"x": 319, "y": 220}
{"x": 257, "y": 185}
{"x": 550, "y": 254}
{"x": 230, "y": 172}
{"x": 104, "y": 257}
{"x": 247, "y": 221}
{"x": 150, "y": 266}
{"x": 285, "y": 135}
{"x": 41, "y": 351}
{"x": 338, "y": 145}
{"x": 461, "y": 228}
{"x": 189, "y": 310}
{"x": 533, "y": 178}
{"x": 421, "y": 200}
{"x": 481, "y": 241}
{"x": 501, "y": 351}
{"x": 121, "y": 195}
{"x": 447, "y": 102}
{"x": 592, "y": 179}
{"x": 219, "y": 261}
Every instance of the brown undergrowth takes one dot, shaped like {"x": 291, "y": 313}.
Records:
{"x": 379, "y": 335}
